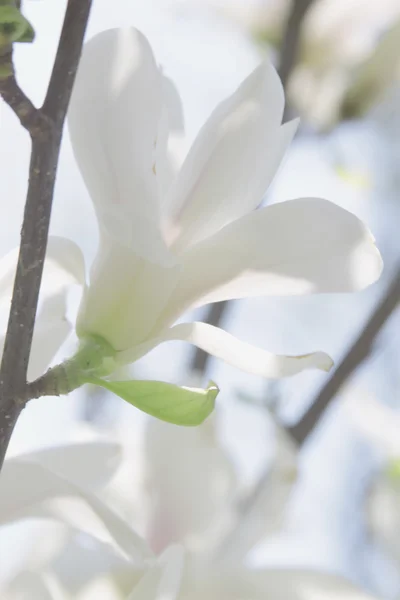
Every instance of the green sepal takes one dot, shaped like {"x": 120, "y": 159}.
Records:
{"x": 165, "y": 401}
{"x": 14, "y": 27}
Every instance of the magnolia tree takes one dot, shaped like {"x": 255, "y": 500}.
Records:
{"x": 169, "y": 240}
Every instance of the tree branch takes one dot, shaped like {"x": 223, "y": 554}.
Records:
{"x": 46, "y": 142}
{"x": 30, "y": 117}
{"x": 358, "y": 352}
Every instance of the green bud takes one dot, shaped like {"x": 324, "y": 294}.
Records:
{"x": 14, "y": 27}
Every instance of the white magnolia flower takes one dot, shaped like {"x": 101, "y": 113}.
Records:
{"x": 196, "y": 504}
{"x": 123, "y": 567}
{"x": 200, "y": 502}
{"x": 173, "y": 241}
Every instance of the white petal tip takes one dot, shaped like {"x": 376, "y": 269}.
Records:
{"x": 368, "y": 264}
{"x": 316, "y": 360}
{"x": 323, "y": 361}
{"x": 379, "y": 264}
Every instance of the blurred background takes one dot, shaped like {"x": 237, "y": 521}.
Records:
{"x": 249, "y": 481}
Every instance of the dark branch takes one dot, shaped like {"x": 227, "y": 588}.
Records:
{"x": 46, "y": 141}
{"x": 67, "y": 59}
{"x": 358, "y": 352}
{"x": 30, "y": 117}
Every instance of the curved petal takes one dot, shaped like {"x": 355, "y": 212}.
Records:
{"x": 25, "y": 485}
{"x": 65, "y": 256}
{"x": 91, "y": 464}
{"x": 277, "y": 584}
{"x": 171, "y": 124}
{"x": 263, "y": 511}
{"x": 191, "y": 503}
{"x": 113, "y": 121}
{"x": 239, "y": 354}
{"x": 303, "y": 246}
{"x": 64, "y": 266}
{"x": 298, "y": 584}
{"x": 162, "y": 581}
{"x": 51, "y": 330}
{"x": 30, "y": 583}
{"x": 232, "y": 161}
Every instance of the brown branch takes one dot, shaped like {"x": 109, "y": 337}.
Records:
{"x": 358, "y": 352}
{"x": 30, "y": 117}
{"x": 46, "y": 141}
{"x": 287, "y": 62}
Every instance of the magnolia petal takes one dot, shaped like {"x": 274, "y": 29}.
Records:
{"x": 28, "y": 586}
{"x": 170, "y": 125}
{"x": 51, "y": 330}
{"x": 303, "y": 246}
{"x": 241, "y": 355}
{"x": 297, "y": 584}
{"x": 89, "y": 464}
{"x": 113, "y": 121}
{"x": 25, "y": 485}
{"x": 162, "y": 581}
{"x": 277, "y": 584}
{"x": 64, "y": 266}
{"x": 124, "y": 299}
{"x": 232, "y": 161}
{"x": 193, "y": 502}
{"x": 264, "y": 510}
{"x": 65, "y": 255}
{"x": 104, "y": 574}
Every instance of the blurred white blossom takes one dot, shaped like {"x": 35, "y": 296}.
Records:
{"x": 349, "y": 50}
{"x": 380, "y": 424}
{"x": 102, "y": 557}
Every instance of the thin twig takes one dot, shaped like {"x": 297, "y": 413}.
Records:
{"x": 30, "y": 117}
{"x": 46, "y": 141}
{"x": 358, "y": 352}
{"x": 287, "y": 61}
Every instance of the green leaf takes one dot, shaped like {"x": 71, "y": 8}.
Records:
{"x": 168, "y": 402}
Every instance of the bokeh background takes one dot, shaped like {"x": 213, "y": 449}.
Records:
{"x": 340, "y": 62}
